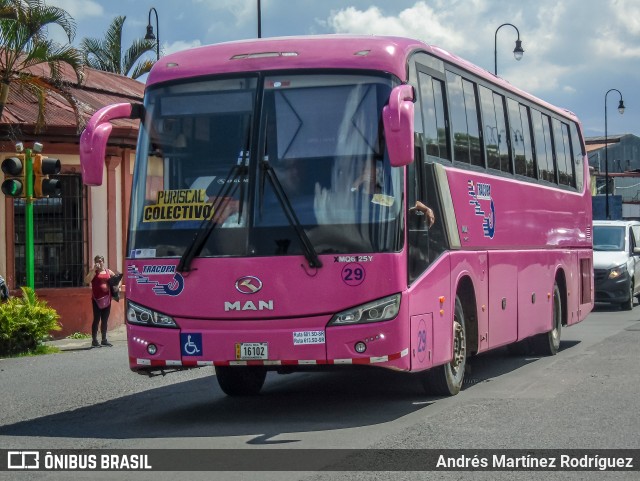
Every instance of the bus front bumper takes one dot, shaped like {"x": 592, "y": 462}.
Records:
{"x": 272, "y": 343}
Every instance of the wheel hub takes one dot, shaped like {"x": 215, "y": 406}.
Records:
{"x": 459, "y": 346}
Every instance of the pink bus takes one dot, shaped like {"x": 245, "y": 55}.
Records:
{"x": 315, "y": 202}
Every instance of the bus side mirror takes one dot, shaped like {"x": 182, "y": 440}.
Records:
{"x": 93, "y": 141}
{"x": 397, "y": 117}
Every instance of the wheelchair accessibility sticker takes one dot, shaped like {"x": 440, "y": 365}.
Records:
{"x": 482, "y": 192}
{"x": 173, "y": 286}
{"x": 191, "y": 344}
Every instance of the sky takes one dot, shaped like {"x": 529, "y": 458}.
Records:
{"x": 575, "y": 50}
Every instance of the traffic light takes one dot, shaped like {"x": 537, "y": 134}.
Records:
{"x": 14, "y": 184}
{"x": 43, "y": 186}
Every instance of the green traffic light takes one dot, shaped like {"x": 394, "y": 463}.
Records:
{"x": 12, "y": 187}
{"x": 13, "y": 168}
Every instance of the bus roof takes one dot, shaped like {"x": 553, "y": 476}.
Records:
{"x": 360, "y": 52}
{"x": 311, "y": 52}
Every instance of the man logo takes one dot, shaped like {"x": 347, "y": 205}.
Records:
{"x": 248, "y": 285}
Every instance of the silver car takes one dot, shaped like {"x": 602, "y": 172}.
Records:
{"x": 616, "y": 255}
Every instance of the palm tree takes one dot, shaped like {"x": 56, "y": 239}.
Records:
{"x": 8, "y": 10}
{"x": 106, "y": 54}
{"x": 24, "y": 46}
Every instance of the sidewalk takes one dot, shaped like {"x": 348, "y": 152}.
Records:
{"x": 115, "y": 336}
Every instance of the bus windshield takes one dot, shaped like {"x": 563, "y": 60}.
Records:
{"x": 231, "y": 156}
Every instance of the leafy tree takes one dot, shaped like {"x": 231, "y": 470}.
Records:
{"x": 24, "y": 46}
{"x": 106, "y": 54}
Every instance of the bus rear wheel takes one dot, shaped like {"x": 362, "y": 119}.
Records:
{"x": 548, "y": 343}
{"x": 240, "y": 380}
{"x": 447, "y": 380}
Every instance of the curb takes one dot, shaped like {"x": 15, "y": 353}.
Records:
{"x": 115, "y": 336}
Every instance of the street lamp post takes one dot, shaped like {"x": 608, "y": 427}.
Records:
{"x": 606, "y": 149}
{"x": 518, "y": 52}
{"x": 150, "y": 35}
{"x": 259, "y": 20}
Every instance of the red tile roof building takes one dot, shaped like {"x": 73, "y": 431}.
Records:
{"x": 70, "y": 231}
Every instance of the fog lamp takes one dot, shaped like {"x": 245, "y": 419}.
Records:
{"x": 360, "y": 347}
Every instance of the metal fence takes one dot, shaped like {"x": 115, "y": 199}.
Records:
{"x": 60, "y": 236}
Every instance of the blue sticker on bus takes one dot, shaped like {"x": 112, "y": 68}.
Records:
{"x": 482, "y": 192}
{"x": 173, "y": 287}
{"x": 191, "y": 344}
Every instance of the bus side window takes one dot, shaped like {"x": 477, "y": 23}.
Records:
{"x": 544, "y": 150}
{"x": 464, "y": 120}
{"x": 563, "y": 153}
{"x": 528, "y": 142}
{"x": 433, "y": 116}
{"x": 576, "y": 155}
{"x": 459, "y": 134}
{"x": 517, "y": 139}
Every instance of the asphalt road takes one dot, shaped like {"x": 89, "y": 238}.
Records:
{"x": 586, "y": 397}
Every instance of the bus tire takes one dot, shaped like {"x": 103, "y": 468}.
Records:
{"x": 447, "y": 380}
{"x": 240, "y": 381}
{"x": 548, "y": 343}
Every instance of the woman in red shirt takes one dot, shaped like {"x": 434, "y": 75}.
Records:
{"x": 98, "y": 277}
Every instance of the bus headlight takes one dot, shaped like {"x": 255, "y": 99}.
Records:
{"x": 136, "y": 314}
{"x": 375, "y": 311}
{"x": 617, "y": 271}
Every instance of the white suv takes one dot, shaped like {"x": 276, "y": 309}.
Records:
{"x": 616, "y": 259}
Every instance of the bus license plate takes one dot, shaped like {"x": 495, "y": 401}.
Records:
{"x": 248, "y": 351}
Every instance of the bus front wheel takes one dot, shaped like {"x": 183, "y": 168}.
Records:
{"x": 447, "y": 380}
{"x": 240, "y": 380}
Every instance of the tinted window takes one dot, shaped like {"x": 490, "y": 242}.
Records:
{"x": 521, "y": 139}
{"x": 577, "y": 155}
{"x": 431, "y": 95}
{"x": 544, "y": 152}
{"x": 563, "y": 153}
{"x": 495, "y": 130}
{"x": 458, "y": 118}
{"x": 464, "y": 120}
{"x": 472, "y": 122}
{"x": 505, "y": 162}
{"x": 525, "y": 137}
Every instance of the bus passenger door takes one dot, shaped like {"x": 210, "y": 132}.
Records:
{"x": 417, "y": 223}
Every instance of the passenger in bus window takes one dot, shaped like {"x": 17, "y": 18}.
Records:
{"x": 422, "y": 209}
{"x": 371, "y": 180}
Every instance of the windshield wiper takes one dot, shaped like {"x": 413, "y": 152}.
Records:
{"x": 222, "y": 199}
{"x": 309, "y": 251}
